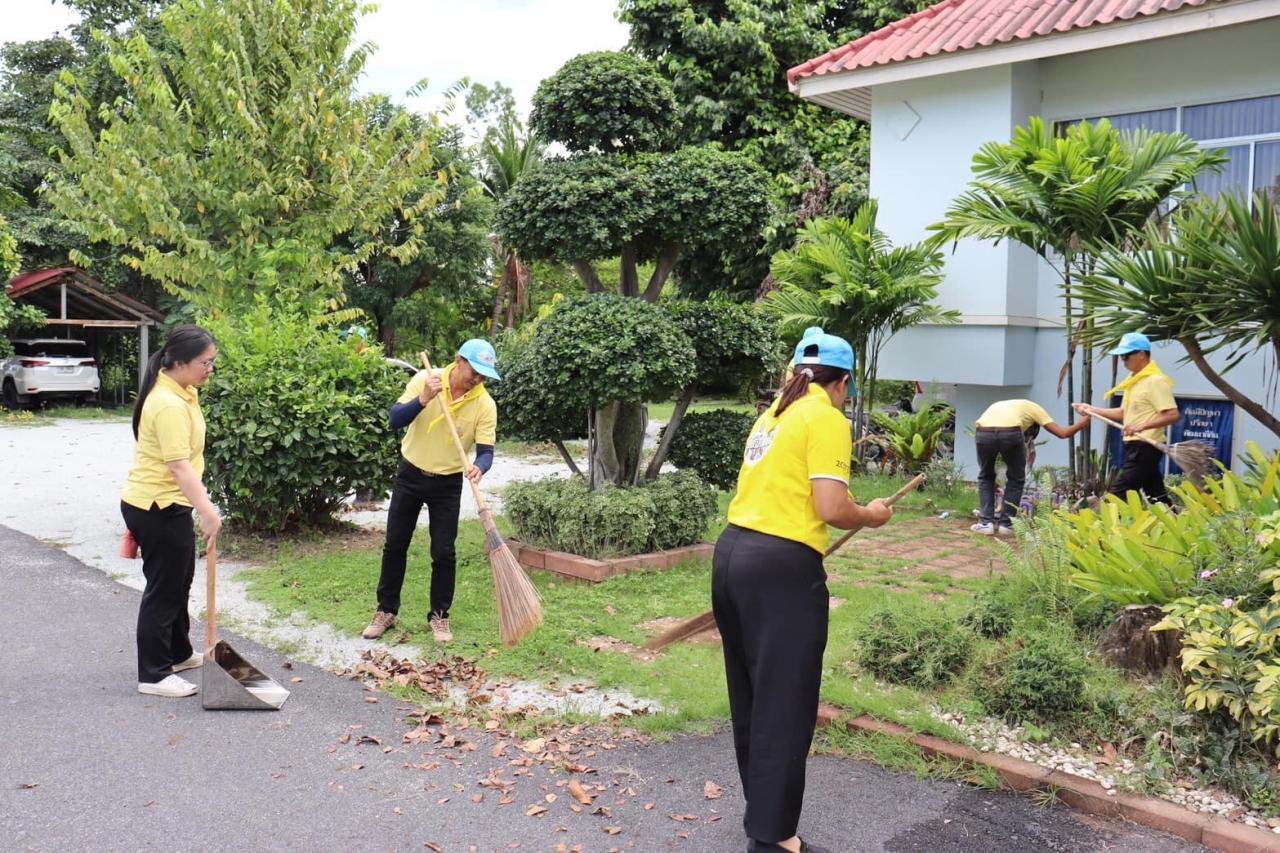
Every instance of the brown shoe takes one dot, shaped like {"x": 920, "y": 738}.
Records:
{"x": 382, "y": 620}
{"x": 440, "y": 628}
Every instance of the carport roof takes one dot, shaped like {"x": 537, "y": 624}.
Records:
{"x": 73, "y": 298}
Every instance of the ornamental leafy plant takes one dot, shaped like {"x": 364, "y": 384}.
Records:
{"x": 239, "y": 151}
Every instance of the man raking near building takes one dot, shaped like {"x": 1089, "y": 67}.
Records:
{"x": 1007, "y": 430}
{"x": 1146, "y": 408}
{"x": 768, "y": 585}
{"x": 431, "y": 473}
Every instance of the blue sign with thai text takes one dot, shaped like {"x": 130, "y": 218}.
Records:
{"x": 1210, "y": 421}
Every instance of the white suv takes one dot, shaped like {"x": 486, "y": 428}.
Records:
{"x": 47, "y": 368}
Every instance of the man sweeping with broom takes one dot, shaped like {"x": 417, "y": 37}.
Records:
{"x": 768, "y": 587}
{"x": 1145, "y": 410}
{"x": 431, "y": 473}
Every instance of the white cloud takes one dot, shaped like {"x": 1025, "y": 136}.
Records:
{"x": 28, "y": 20}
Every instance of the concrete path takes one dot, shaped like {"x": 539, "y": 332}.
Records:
{"x": 88, "y": 764}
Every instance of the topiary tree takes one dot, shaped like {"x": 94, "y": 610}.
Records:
{"x": 623, "y": 194}
{"x": 600, "y": 354}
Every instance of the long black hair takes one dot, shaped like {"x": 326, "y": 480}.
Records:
{"x": 798, "y": 385}
{"x": 183, "y": 345}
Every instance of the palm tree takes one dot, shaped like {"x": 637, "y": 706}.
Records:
{"x": 505, "y": 155}
{"x": 846, "y": 276}
{"x": 1209, "y": 278}
{"x": 1067, "y": 196}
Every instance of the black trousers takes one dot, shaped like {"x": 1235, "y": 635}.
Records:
{"x": 1141, "y": 473}
{"x": 1009, "y": 445}
{"x": 771, "y": 605}
{"x": 442, "y": 496}
{"x": 167, "y": 540}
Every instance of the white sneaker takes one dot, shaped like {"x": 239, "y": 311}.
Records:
{"x": 984, "y": 527}
{"x": 190, "y": 663}
{"x": 172, "y": 687}
{"x": 1005, "y": 530}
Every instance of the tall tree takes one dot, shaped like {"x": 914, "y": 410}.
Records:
{"x": 1208, "y": 278}
{"x": 624, "y": 193}
{"x": 239, "y": 152}
{"x": 1066, "y": 197}
{"x": 507, "y": 152}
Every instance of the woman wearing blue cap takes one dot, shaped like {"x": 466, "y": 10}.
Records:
{"x": 1146, "y": 408}
{"x": 430, "y": 475}
{"x": 768, "y": 587}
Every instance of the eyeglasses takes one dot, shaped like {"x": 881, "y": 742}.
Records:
{"x": 207, "y": 363}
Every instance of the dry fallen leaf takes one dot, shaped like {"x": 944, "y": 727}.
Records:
{"x": 372, "y": 700}
{"x": 357, "y": 766}
{"x": 534, "y": 811}
{"x": 550, "y": 798}
{"x": 649, "y": 806}
{"x": 477, "y": 798}
{"x": 27, "y": 786}
{"x": 433, "y": 847}
{"x": 575, "y": 791}
{"x": 1108, "y": 756}
{"x": 295, "y": 680}
{"x": 613, "y": 830}
{"x": 535, "y": 745}
{"x": 712, "y": 790}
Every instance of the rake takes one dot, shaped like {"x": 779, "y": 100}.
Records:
{"x": 519, "y": 604}
{"x": 706, "y": 621}
{"x": 1195, "y": 458}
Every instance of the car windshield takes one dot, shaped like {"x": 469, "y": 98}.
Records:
{"x": 52, "y": 349}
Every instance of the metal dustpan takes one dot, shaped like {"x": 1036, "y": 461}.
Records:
{"x": 228, "y": 682}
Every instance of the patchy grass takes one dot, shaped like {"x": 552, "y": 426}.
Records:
{"x": 45, "y": 413}
{"x": 663, "y": 411}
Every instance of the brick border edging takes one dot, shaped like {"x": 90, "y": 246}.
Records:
{"x": 1086, "y": 795}
{"x": 575, "y": 568}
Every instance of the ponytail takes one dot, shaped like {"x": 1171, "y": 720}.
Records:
{"x": 798, "y": 385}
{"x": 184, "y": 344}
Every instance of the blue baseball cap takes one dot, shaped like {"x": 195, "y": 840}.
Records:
{"x": 480, "y": 355}
{"x": 831, "y": 350}
{"x": 1132, "y": 342}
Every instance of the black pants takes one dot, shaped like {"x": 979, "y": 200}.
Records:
{"x": 771, "y": 604}
{"x": 442, "y": 495}
{"x": 1141, "y": 473}
{"x": 167, "y": 539}
{"x": 1009, "y": 445}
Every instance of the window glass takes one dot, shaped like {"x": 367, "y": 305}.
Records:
{"x": 1234, "y": 175}
{"x": 1266, "y": 168}
{"x": 1248, "y": 117}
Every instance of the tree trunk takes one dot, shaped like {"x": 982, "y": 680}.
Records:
{"x": 501, "y": 291}
{"x": 1229, "y": 391}
{"x": 1071, "y": 371}
{"x": 619, "y": 439}
{"x": 587, "y": 273}
{"x": 1106, "y": 441}
{"x": 1130, "y": 644}
{"x": 388, "y": 336}
{"x": 568, "y": 459}
{"x": 662, "y": 271}
{"x": 669, "y": 434}
{"x": 628, "y": 278}
{"x": 1086, "y": 385}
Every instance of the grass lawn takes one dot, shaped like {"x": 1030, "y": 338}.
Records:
{"x": 44, "y": 414}
{"x": 332, "y": 579}
{"x": 662, "y": 411}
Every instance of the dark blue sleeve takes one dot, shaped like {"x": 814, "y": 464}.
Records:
{"x": 402, "y": 414}
{"x": 484, "y": 457}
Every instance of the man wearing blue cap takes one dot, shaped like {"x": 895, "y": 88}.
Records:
{"x": 431, "y": 474}
{"x": 1146, "y": 409}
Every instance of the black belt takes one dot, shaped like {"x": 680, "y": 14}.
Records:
{"x": 1000, "y": 429}
{"x": 424, "y": 472}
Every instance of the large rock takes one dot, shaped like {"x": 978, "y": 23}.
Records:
{"x": 1130, "y": 644}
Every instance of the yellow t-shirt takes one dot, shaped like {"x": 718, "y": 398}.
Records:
{"x": 811, "y": 441}
{"x": 427, "y": 443}
{"x": 1146, "y": 399}
{"x": 171, "y": 428}
{"x": 1011, "y": 414}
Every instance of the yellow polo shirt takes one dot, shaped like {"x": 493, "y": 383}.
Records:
{"x": 427, "y": 443}
{"x": 1146, "y": 399}
{"x": 1011, "y": 414}
{"x": 171, "y": 428}
{"x": 811, "y": 441}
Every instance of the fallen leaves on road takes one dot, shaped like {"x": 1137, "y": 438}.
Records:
{"x": 578, "y": 793}
{"x": 711, "y": 790}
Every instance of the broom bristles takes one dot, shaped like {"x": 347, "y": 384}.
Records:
{"x": 519, "y": 603}
{"x": 1195, "y": 458}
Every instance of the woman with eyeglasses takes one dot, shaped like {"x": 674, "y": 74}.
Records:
{"x": 163, "y": 487}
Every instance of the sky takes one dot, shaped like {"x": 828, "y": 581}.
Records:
{"x": 516, "y": 42}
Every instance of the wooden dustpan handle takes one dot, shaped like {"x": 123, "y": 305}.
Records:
{"x": 211, "y": 603}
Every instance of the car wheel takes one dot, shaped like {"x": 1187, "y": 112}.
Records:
{"x": 12, "y": 400}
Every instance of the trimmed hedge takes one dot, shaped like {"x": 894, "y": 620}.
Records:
{"x": 710, "y": 444}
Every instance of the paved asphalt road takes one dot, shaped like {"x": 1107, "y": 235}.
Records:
{"x": 88, "y": 764}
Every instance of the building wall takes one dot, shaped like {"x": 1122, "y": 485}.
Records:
{"x": 1011, "y": 343}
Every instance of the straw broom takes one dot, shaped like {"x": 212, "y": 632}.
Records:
{"x": 706, "y": 621}
{"x": 1195, "y": 458}
{"x": 519, "y": 604}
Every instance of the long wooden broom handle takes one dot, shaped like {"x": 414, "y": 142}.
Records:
{"x": 1151, "y": 441}
{"x": 910, "y": 487}
{"x": 211, "y": 603}
{"x": 457, "y": 440}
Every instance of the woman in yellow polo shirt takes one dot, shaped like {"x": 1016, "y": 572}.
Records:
{"x": 162, "y": 489}
{"x": 768, "y": 586}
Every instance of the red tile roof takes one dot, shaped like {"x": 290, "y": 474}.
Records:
{"x": 956, "y": 25}
{"x": 27, "y": 280}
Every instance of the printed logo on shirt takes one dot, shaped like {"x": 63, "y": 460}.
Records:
{"x": 758, "y": 445}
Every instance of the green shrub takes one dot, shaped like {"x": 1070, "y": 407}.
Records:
{"x": 710, "y": 444}
{"x": 1038, "y": 673}
{"x": 944, "y": 478}
{"x": 564, "y": 515}
{"x": 992, "y": 613}
{"x": 297, "y": 420}
{"x": 910, "y": 440}
{"x": 920, "y": 645}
